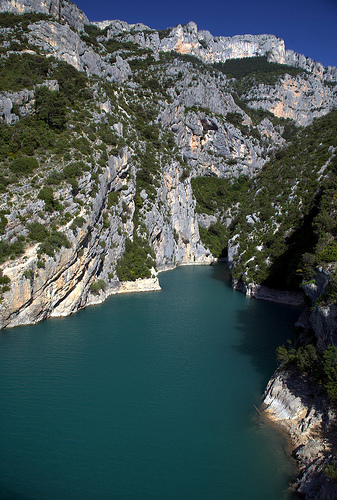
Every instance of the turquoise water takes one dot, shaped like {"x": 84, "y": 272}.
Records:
{"x": 147, "y": 396}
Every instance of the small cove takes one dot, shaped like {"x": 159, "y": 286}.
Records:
{"x": 146, "y": 396}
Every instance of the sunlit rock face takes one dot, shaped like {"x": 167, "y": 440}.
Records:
{"x": 59, "y": 9}
{"x": 197, "y": 112}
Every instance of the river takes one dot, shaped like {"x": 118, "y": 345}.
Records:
{"x": 147, "y": 396}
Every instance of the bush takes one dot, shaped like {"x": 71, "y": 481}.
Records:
{"x": 113, "y": 198}
{"x": 257, "y": 67}
{"x": 24, "y": 165}
{"x": 83, "y": 145}
{"x": 234, "y": 118}
{"x": 3, "y": 223}
{"x": 215, "y": 238}
{"x": 9, "y": 20}
{"x": 136, "y": 261}
{"x": 50, "y": 107}
{"x": 37, "y": 232}
{"x": 97, "y": 286}
{"x": 10, "y": 249}
{"x": 19, "y": 71}
{"x": 54, "y": 178}
{"x": 330, "y": 371}
{"x": 47, "y": 195}
{"x": 53, "y": 243}
{"x": 4, "y": 280}
{"x": 329, "y": 254}
{"x": 78, "y": 222}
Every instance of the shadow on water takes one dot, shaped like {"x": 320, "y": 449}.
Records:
{"x": 263, "y": 326}
{"x": 7, "y": 494}
{"x": 221, "y": 273}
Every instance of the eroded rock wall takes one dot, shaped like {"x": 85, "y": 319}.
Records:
{"x": 298, "y": 405}
{"x": 62, "y": 285}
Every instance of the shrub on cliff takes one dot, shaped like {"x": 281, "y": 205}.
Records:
{"x": 136, "y": 261}
{"x": 3, "y": 223}
{"x": 50, "y": 107}
{"x": 329, "y": 369}
{"x": 53, "y": 243}
{"x": 10, "y": 249}
{"x": 329, "y": 254}
{"x": 47, "y": 195}
{"x": 24, "y": 165}
{"x": 38, "y": 232}
{"x": 97, "y": 286}
{"x": 305, "y": 358}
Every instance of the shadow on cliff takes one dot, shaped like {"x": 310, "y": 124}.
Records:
{"x": 282, "y": 273}
{"x": 266, "y": 325}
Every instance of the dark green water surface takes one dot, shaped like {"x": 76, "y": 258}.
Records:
{"x": 147, "y": 396}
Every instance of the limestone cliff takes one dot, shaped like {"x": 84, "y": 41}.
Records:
{"x": 62, "y": 285}
{"x": 298, "y": 405}
{"x": 59, "y": 9}
{"x": 116, "y": 167}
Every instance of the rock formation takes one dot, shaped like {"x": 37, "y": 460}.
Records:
{"x": 298, "y": 406}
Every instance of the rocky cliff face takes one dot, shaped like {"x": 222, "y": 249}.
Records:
{"x": 62, "y": 285}
{"x": 298, "y": 406}
{"x": 122, "y": 167}
{"x": 300, "y": 98}
{"x": 59, "y": 9}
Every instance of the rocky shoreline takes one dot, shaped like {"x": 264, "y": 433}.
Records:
{"x": 261, "y": 292}
{"x": 298, "y": 406}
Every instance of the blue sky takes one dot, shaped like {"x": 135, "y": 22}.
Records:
{"x": 307, "y": 26}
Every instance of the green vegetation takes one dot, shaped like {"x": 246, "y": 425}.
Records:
{"x": 97, "y": 286}
{"x": 136, "y": 261}
{"x": 322, "y": 367}
{"x": 37, "y": 232}
{"x": 256, "y": 67}
{"x": 77, "y": 222}
{"x": 53, "y": 242}
{"x": 293, "y": 211}
{"x": 164, "y": 33}
{"x": 47, "y": 195}
{"x": 18, "y": 71}
{"x": 113, "y": 199}
{"x": 90, "y": 34}
{"x": 72, "y": 172}
{"x": 215, "y": 238}
{"x": 3, "y": 223}
{"x": 4, "y": 284}
{"x": 9, "y": 20}
{"x": 12, "y": 250}
{"x": 290, "y": 129}
{"x": 25, "y": 138}
{"x": 50, "y": 107}
{"x": 24, "y": 165}
{"x": 330, "y": 471}
{"x": 215, "y": 196}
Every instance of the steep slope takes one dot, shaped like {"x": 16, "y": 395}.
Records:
{"x": 104, "y": 137}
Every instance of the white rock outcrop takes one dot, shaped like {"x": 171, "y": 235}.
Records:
{"x": 298, "y": 405}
